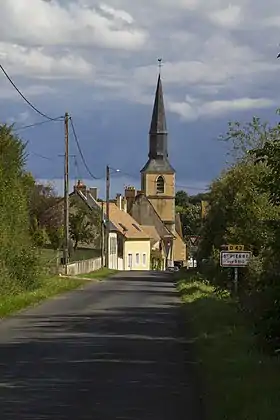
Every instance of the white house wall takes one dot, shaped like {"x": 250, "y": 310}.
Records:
{"x": 113, "y": 251}
{"x": 137, "y": 255}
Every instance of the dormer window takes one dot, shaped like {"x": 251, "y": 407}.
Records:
{"x": 160, "y": 185}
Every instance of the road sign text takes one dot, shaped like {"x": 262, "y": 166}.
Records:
{"x": 235, "y": 259}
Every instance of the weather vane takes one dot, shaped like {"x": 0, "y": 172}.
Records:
{"x": 159, "y": 64}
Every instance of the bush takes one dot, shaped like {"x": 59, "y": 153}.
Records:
{"x": 267, "y": 305}
{"x": 19, "y": 263}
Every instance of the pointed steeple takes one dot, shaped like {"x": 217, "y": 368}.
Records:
{"x": 158, "y": 127}
{"x": 158, "y": 123}
{"x": 158, "y": 135}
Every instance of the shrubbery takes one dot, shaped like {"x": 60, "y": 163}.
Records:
{"x": 244, "y": 209}
{"x": 19, "y": 262}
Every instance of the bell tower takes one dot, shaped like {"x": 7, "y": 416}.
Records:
{"x": 158, "y": 176}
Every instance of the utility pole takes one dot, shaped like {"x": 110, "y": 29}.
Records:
{"x": 102, "y": 234}
{"x": 66, "y": 191}
{"x": 107, "y": 231}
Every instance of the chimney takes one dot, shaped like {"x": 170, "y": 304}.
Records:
{"x": 140, "y": 192}
{"x": 130, "y": 194}
{"x": 124, "y": 205}
{"x": 93, "y": 191}
{"x": 80, "y": 186}
{"x": 119, "y": 201}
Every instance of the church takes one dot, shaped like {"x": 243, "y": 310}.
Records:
{"x": 153, "y": 207}
{"x": 144, "y": 230}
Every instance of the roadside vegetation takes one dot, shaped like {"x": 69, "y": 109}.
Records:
{"x": 236, "y": 333}
{"x": 238, "y": 380}
{"x": 49, "y": 287}
{"x": 31, "y": 220}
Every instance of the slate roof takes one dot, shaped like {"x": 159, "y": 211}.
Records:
{"x": 158, "y": 137}
{"x": 158, "y": 166}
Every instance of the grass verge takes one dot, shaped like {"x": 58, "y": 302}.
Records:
{"x": 101, "y": 274}
{"x": 49, "y": 288}
{"x": 239, "y": 382}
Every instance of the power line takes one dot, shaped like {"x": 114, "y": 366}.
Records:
{"x": 41, "y": 156}
{"x": 24, "y": 98}
{"x": 81, "y": 152}
{"x": 36, "y": 124}
{"x": 176, "y": 185}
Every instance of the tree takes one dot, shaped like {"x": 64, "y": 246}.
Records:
{"x": 18, "y": 258}
{"x": 244, "y": 209}
{"x": 84, "y": 224}
{"x": 239, "y": 210}
{"x": 247, "y": 136}
{"x": 181, "y": 199}
{"x": 191, "y": 220}
{"x": 41, "y": 199}
{"x": 189, "y": 208}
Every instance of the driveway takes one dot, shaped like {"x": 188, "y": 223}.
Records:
{"x": 112, "y": 350}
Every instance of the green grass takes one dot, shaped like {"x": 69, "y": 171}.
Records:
{"x": 239, "y": 382}
{"x": 99, "y": 274}
{"x": 49, "y": 288}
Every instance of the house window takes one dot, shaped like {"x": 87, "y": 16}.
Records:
{"x": 144, "y": 259}
{"x": 137, "y": 259}
{"x": 129, "y": 261}
{"x": 160, "y": 185}
{"x": 113, "y": 245}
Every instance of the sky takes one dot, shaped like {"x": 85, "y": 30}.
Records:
{"x": 99, "y": 62}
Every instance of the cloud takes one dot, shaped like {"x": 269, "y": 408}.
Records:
{"x": 211, "y": 51}
{"x": 192, "y": 109}
{"x": 69, "y": 25}
{"x": 229, "y": 17}
{"x": 37, "y": 63}
{"x": 21, "y": 118}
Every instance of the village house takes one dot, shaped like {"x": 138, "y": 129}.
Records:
{"x": 129, "y": 243}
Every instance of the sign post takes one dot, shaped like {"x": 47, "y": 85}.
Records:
{"x": 235, "y": 260}
{"x": 235, "y": 280}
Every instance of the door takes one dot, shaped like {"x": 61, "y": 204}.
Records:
{"x": 129, "y": 261}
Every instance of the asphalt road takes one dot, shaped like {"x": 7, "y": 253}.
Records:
{"x": 112, "y": 350}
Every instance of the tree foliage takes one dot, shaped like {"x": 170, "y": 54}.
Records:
{"x": 189, "y": 208}
{"x": 84, "y": 224}
{"x": 244, "y": 209}
{"x": 18, "y": 268}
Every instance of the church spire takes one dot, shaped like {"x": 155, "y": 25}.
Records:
{"x": 158, "y": 127}
{"x": 158, "y": 122}
{"x": 158, "y": 152}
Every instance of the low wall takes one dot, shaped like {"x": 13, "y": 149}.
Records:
{"x": 82, "y": 267}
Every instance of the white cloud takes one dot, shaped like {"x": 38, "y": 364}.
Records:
{"x": 192, "y": 109}
{"x": 35, "y": 62}
{"x": 75, "y": 24}
{"x": 229, "y": 17}
{"x": 210, "y": 50}
{"x": 8, "y": 93}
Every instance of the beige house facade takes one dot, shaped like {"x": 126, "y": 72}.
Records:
{"x": 133, "y": 242}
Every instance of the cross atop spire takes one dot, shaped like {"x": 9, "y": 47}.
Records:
{"x": 159, "y": 65}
